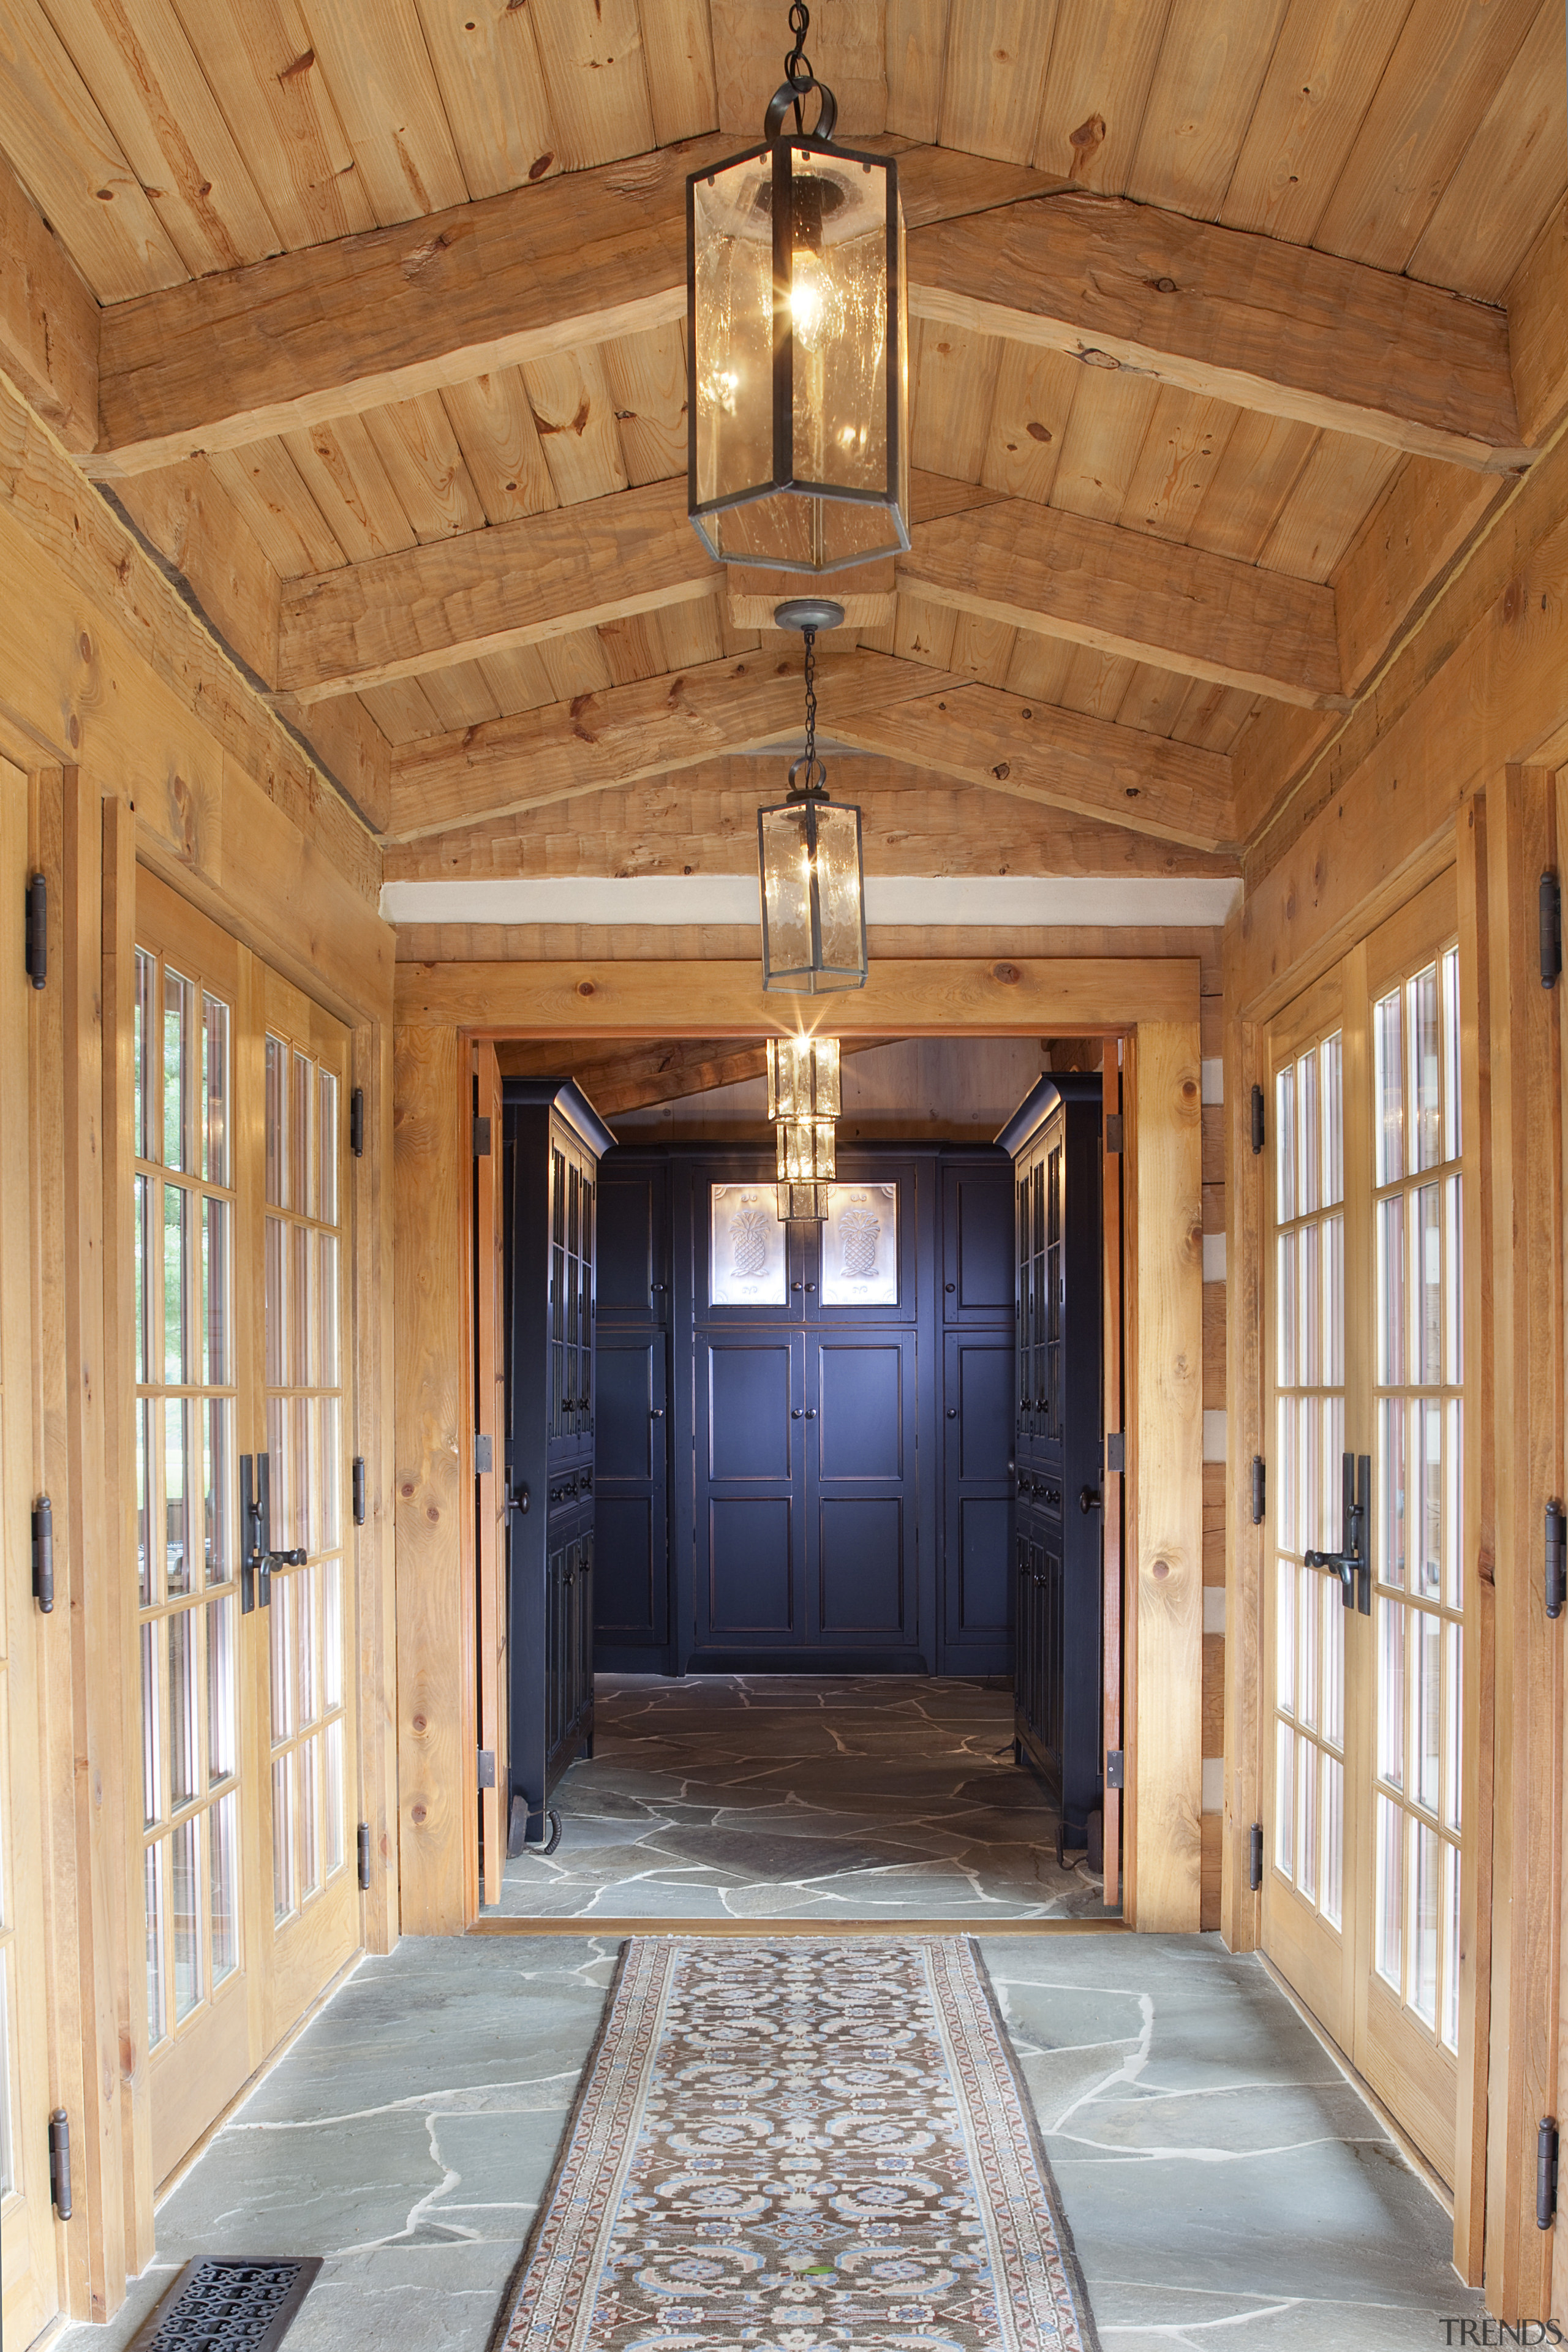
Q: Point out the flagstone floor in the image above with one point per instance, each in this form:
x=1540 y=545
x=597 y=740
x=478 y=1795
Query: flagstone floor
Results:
x=783 y=1796
x=1226 y=2187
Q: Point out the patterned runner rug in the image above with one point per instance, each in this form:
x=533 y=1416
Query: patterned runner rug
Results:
x=798 y=2146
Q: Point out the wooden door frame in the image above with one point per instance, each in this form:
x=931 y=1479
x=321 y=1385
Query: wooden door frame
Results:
x=444 y=1009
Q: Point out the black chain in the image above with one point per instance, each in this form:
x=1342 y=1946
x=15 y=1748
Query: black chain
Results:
x=810 y=698
x=797 y=65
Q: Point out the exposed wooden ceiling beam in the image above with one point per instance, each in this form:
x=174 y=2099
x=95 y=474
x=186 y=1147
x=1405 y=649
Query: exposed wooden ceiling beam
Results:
x=1125 y=593
x=1060 y=759
x=1095 y=583
x=617 y=1076
x=345 y=326
x=514 y=585
x=979 y=735
x=935 y=996
x=1232 y=316
x=339 y=327
x=648 y=728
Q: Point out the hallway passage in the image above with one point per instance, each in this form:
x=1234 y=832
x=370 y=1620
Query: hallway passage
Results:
x=791 y=1797
x=1226 y=2186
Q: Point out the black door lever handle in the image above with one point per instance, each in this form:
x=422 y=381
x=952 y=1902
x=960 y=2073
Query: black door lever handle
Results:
x=1352 y=1562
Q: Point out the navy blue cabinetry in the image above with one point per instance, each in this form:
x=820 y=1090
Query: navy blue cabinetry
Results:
x=1059 y=1427
x=554 y=1141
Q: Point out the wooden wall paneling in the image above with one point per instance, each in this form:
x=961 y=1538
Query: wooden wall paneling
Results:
x=118 y=1157
x=991 y=90
x=99 y=1641
x=67 y=1912
x=375 y=61
x=432 y=1175
x=196 y=532
x=1113 y=1482
x=1527 y=1440
x=1479 y=685
x=1164 y=1604
x=375 y=1400
x=678 y=50
x=1538 y=329
x=490 y=1507
x=1326 y=62
x=493 y=93
x=1244 y=1555
x=1480 y=1536
x=917 y=56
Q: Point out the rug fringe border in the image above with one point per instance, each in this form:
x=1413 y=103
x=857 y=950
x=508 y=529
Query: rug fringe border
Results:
x=1070 y=2261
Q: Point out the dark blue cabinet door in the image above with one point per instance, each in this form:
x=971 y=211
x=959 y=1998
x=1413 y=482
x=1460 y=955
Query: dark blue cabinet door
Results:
x=978 y=1229
x=977 y=1452
x=634 y=1242
x=865 y=1584
x=631 y=1492
x=751 y=1420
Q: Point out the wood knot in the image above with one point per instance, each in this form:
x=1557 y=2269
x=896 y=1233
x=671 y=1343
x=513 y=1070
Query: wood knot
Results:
x=418 y=1816
x=1007 y=973
x=1037 y=432
x=585 y=988
x=1162 y=1570
x=1002 y=772
x=84 y=646
x=420 y=1724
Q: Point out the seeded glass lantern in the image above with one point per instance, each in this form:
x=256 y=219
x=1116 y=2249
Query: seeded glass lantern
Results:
x=809 y=860
x=803 y=1103
x=798 y=343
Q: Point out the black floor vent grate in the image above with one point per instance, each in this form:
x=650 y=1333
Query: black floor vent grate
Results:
x=228 y=2305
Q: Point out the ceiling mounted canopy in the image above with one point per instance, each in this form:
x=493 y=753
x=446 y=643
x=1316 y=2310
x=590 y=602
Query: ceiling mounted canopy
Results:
x=813 y=877
x=797 y=322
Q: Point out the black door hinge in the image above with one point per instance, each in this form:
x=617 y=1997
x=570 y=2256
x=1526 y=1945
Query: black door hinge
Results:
x=1546 y=2173
x=1116 y=1453
x=1551 y=929
x=1256 y=1120
x=1113 y=1131
x=487 y=1767
x=359 y=1489
x=36 y=954
x=482 y=1138
x=363 y=1842
x=356 y=1122
x=1255 y=1867
x=1259 y=1490
x=60 y=2163
x=1114 y=1767
x=1556 y=1558
x=43 y=1554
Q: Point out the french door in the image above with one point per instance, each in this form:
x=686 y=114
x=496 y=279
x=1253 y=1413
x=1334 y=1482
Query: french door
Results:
x=244 y=1594
x=29 y=2273
x=1364 y=1615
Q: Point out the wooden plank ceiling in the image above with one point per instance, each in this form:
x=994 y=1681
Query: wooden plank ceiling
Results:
x=1219 y=308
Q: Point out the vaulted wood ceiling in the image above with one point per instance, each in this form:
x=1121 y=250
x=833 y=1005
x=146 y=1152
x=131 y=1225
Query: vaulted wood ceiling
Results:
x=1227 y=334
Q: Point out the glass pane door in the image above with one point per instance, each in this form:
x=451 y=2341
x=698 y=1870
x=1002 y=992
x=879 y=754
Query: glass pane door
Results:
x=312 y=1780
x=1365 y=1605
x=188 y=1402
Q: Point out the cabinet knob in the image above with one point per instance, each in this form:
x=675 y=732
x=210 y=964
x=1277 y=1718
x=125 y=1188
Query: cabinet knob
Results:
x=796 y=1413
x=811 y=1285
x=656 y=1285
x=795 y=1286
x=953 y=1413
x=655 y=1413
x=811 y=1413
x=950 y=1285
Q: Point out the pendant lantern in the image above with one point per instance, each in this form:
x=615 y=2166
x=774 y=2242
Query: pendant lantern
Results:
x=809 y=858
x=804 y=1103
x=797 y=319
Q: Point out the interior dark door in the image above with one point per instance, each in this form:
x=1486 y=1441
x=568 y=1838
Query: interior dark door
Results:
x=631 y=1496
x=860 y=1454
x=750 y=1550
x=977 y=1244
x=977 y=1482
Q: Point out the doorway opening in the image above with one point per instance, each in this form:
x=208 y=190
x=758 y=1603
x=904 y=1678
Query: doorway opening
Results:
x=799 y=1571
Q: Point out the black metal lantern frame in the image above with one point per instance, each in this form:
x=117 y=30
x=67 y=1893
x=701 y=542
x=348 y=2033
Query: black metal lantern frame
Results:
x=800 y=201
x=810 y=865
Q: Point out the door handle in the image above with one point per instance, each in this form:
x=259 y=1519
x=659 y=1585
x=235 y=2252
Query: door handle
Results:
x=1352 y=1562
x=1087 y=1500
